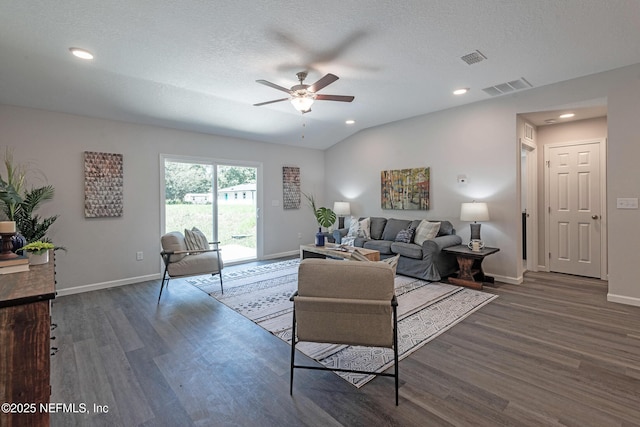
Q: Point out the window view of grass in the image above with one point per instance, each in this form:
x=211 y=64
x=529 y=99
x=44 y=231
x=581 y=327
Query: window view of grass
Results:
x=237 y=223
x=189 y=203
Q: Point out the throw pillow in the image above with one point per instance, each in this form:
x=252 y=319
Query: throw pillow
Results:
x=365 y=228
x=425 y=231
x=195 y=240
x=348 y=241
x=354 y=227
x=406 y=235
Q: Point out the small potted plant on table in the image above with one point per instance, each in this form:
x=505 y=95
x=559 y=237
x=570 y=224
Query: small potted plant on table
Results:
x=38 y=252
x=324 y=216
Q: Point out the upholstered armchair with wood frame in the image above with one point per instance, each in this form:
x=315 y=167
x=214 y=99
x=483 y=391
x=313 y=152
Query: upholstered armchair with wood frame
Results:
x=187 y=256
x=345 y=302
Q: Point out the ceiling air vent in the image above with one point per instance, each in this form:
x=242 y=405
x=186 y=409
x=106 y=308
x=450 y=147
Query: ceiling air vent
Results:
x=473 y=57
x=508 y=87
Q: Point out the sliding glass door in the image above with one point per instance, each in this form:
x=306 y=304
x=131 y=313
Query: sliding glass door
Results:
x=219 y=199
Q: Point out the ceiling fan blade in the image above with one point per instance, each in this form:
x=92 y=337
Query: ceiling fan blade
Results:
x=341 y=98
x=270 y=102
x=273 y=85
x=323 y=82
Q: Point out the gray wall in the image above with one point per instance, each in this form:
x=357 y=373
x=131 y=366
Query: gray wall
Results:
x=101 y=251
x=479 y=141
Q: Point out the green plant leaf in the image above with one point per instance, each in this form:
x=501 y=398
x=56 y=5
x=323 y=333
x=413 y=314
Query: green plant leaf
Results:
x=325 y=216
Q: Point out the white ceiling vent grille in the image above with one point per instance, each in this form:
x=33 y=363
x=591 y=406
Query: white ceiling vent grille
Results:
x=508 y=87
x=473 y=57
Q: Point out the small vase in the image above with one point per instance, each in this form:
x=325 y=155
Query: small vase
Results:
x=37 y=259
x=320 y=237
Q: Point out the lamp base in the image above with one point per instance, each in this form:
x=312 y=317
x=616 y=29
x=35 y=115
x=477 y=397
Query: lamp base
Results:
x=475 y=231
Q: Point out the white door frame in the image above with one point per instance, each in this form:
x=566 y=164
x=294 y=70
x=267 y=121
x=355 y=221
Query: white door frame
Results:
x=531 y=186
x=602 y=143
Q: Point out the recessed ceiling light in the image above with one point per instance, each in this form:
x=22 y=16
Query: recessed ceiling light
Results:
x=567 y=116
x=81 y=53
x=461 y=91
x=350 y=122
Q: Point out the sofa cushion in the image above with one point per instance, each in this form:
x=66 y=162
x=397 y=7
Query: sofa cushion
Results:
x=425 y=231
x=191 y=265
x=377 y=227
x=382 y=246
x=409 y=250
x=393 y=227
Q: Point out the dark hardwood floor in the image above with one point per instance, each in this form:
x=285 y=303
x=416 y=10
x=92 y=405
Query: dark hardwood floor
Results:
x=549 y=352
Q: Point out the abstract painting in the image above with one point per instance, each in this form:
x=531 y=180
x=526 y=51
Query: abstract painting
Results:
x=103 y=181
x=405 y=189
x=291 y=187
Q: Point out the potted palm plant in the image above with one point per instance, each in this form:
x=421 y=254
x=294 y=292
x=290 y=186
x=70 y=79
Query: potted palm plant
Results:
x=325 y=217
x=19 y=204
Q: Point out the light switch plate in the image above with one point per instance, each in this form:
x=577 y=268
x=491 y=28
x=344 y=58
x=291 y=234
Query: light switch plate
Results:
x=627 y=203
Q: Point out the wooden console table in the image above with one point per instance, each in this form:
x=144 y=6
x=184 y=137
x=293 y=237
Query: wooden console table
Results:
x=25 y=327
x=470 y=272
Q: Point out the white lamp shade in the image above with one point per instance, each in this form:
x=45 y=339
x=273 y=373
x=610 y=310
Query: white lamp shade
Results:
x=474 y=212
x=342 y=208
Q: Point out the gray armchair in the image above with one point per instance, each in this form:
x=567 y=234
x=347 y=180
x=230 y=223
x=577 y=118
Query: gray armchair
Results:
x=182 y=262
x=345 y=302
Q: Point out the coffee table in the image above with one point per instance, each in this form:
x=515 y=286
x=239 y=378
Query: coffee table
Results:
x=331 y=250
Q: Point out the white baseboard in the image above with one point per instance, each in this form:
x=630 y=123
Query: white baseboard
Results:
x=621 y=299
x=105 y=285
x=506 y=279
x=281 y=254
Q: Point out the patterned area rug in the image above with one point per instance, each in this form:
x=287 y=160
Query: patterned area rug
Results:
x=425 y=310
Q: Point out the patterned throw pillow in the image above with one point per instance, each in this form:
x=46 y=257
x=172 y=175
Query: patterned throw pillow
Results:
x=195 y=240
x=406 y=235
x=365 y=228
x=354 y=227
x=425 y=231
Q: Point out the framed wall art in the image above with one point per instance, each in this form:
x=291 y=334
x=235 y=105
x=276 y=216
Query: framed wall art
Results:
x=103 y=182
x=291 y=187
x=405 y=189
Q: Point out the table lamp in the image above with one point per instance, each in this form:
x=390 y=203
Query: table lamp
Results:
x=341 y=209
x=474 y=212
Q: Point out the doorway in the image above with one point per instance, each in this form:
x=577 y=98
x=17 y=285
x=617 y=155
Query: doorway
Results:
x=575 y=187
x=220 y=198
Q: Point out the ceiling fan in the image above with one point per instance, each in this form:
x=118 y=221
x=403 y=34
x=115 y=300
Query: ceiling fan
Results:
x=302 y=95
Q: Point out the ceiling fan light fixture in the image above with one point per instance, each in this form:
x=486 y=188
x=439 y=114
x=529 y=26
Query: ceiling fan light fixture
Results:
x=302 y=103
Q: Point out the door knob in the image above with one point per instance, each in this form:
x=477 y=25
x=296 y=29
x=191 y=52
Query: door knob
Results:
x=594 y=216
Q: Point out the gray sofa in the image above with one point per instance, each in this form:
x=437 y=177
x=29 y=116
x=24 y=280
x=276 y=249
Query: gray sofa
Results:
x=426 y=261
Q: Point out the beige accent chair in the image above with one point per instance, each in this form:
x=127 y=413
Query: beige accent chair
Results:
x=181 y=262
x=345 y=302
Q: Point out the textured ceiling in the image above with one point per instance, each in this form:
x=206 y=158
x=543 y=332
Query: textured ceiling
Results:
x=192 y=64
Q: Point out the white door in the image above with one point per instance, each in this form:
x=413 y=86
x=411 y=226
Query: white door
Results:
x=574 y=211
